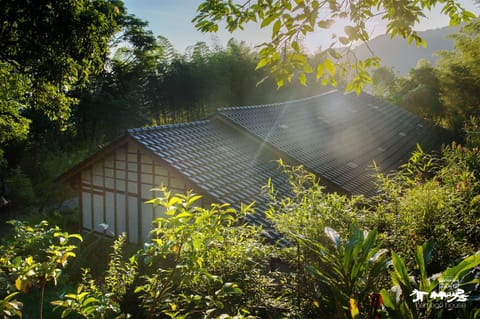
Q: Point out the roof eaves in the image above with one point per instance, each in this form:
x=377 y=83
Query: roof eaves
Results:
x=75 y=170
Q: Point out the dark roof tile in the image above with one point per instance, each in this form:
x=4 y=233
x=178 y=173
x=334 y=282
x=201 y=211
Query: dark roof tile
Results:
x=223 y=163
x=335 y=135
x=329 y=132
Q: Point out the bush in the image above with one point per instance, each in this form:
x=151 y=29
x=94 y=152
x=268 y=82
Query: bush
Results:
x=430 y=199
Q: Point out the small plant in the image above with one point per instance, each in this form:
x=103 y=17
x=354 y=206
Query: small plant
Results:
x=34 y=257
x=9 y=307
x=94 y=301
x=415 y=294
x=346 y=272
x=178 y=258
x=432 y=198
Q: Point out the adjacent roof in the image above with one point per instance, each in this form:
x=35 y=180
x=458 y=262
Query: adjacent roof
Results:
x=339 y=136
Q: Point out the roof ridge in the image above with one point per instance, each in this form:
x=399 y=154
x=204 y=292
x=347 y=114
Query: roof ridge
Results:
x=228 y=108
x=167 y=126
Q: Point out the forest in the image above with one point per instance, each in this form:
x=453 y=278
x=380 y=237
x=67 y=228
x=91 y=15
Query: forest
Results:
x=74 y=75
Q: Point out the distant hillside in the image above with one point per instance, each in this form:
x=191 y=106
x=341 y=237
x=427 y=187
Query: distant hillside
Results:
x=398 y=54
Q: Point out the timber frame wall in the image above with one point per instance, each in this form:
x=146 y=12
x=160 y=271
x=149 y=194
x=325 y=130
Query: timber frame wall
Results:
x=113 y=191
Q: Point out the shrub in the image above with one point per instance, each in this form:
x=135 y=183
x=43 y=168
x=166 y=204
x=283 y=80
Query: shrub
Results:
x=430 y=199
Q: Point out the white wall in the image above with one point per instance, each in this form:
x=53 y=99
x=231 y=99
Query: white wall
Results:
x=114 y=191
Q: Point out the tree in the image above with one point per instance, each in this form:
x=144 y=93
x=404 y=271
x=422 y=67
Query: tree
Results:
x=57 y=44
x=383 y=81
x=446 y=93
x=291 y=20
x=459 y=71
x=419 y=92
x=49 y=53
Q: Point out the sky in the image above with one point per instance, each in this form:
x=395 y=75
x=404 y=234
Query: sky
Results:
x=173 y=20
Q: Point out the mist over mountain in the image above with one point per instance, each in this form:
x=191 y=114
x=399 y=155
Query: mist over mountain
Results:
x=398 y=54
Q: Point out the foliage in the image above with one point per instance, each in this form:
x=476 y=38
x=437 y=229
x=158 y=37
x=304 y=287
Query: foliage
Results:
x=34 y=257
x=185 y=270
x=446 y=93
x=291 y=20
x=12 y=98
x=183 y=259
x=204 y=263
x=420 y=92
x=311 y=208
x=54 y=61
x=91 y=300
x=383 y=81
x=431 y=198
x=49 y=50
x=404 y=301
x=9 y=307
x=458 y=72
x=327 y=276
x=346 y=273
x=20 y=200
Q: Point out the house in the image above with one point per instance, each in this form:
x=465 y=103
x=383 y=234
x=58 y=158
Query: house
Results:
x=228 y=157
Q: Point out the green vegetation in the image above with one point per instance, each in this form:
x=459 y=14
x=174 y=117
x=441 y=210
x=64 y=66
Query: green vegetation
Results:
x=64 y=94
x=446 y=93
x=205 y=263
x=291 y=21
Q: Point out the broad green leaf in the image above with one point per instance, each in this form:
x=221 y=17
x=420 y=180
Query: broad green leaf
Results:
x=267 y=21
x=400 y=270
x=263 y=62
x=89 y=301
x=458 y=271
x=387 y=299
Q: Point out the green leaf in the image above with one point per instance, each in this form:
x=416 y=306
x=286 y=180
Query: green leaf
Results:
x=330 y=66
x=302 y=78
x=400 y=270
x=263 y=62
x=344 y=40
x=267 y=21
x=387 y=299
x=89 y=301
x=276 y=27
x=295 y=46
x=325 y=24
x=458 y=271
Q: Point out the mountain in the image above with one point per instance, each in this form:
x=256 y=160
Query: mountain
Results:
x=398 y=54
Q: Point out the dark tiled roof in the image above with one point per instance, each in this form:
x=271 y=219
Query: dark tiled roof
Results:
x=338 y=136
x=334 y=135
x=219 y=160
